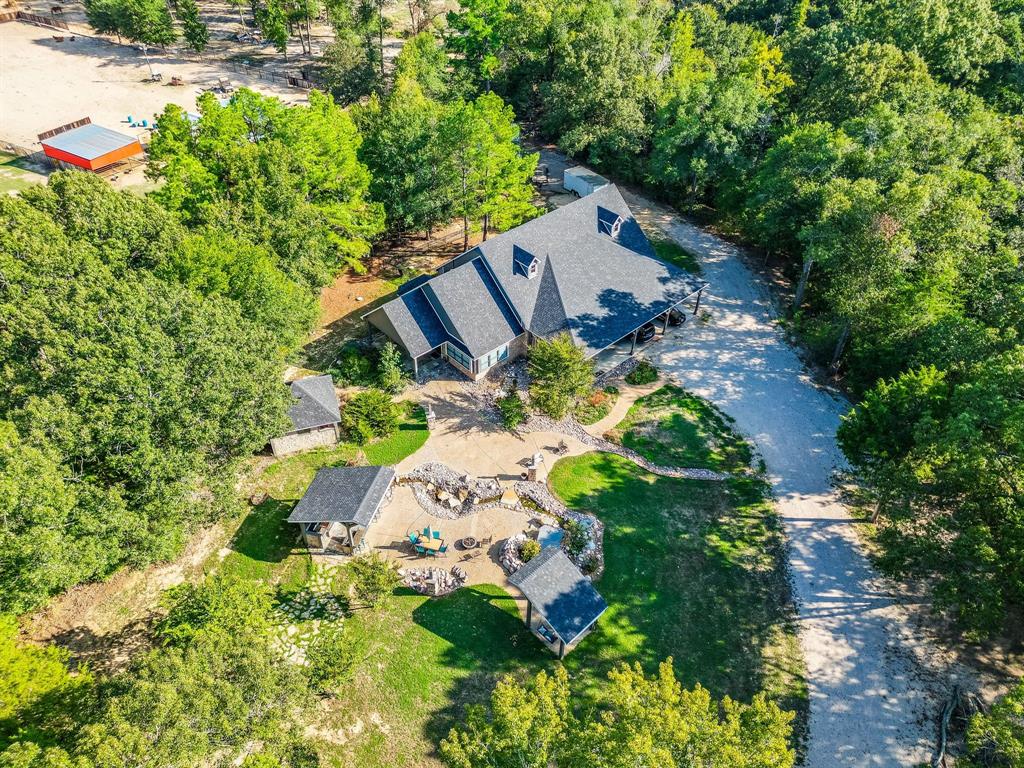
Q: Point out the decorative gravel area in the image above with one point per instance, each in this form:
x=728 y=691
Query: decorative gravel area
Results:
x=472 y=495
x=620 y=371
x=569 y=426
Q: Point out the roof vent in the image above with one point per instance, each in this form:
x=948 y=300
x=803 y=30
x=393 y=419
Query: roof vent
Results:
x=608 y=222
x=524 y=262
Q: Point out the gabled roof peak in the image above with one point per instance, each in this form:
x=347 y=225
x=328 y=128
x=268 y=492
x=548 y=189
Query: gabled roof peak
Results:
x=608 y=222
x=524 y=262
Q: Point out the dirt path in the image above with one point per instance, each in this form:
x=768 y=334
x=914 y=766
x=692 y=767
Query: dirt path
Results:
x=872 y=702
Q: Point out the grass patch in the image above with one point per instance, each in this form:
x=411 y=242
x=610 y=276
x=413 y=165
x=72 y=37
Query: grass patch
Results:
x=672 y=427
x=16 y=174
x=673 y=253
x=411 y=435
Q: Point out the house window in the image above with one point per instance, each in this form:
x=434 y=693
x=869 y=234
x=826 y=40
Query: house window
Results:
x=493 y=358
x=460 y=357
x=532 y=272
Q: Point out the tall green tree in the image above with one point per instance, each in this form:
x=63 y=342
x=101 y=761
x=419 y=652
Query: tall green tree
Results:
x=193 y=29
x=559 y=375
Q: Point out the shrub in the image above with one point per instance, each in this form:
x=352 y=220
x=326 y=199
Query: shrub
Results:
x=390 y=373
x=331 y=658
x=577 y=537
x=374 y=579
x=512 y=408
x=595 y=407
x=996 y=737
x=529 y=550
x=560 y=374
x=370 y=414
x=611 y=390
x=644 y=373
x=355 y=367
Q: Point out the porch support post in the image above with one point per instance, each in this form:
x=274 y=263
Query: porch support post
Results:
x=632 y=348
x=664 y=328
x=416 y=369
x=561 y=648
x=696 y=307
x=529 y=614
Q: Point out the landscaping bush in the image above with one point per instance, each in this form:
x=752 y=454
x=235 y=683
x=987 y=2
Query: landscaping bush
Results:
x=331 y=658
x=576 y=538
x=529 y=550
x=512 y=408
x=644 y=373
x=560 y=375
x=374 y=579
x=390 y=374
x=355 y=367
x=597 y=405
x=370 y=414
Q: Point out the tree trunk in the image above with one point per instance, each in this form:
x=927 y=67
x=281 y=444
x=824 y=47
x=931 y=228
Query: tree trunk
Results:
x=801 y=287
x=844 y=337
x=241 y=18
x=487 y=225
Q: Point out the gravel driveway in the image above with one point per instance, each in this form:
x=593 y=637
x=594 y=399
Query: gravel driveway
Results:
x=872 y=703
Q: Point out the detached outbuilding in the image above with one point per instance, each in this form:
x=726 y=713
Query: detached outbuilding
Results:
x=90 y=147
x=562 y=605
x=340 y=505
x=315 y=417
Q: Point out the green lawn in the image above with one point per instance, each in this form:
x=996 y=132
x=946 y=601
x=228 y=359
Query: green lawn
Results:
x=693 y=571
x=15 y=175
x=673 y=253
x=671 y=427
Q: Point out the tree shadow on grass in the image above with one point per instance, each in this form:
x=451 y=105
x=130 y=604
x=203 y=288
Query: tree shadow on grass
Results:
x=263 y=540
x=487 y=640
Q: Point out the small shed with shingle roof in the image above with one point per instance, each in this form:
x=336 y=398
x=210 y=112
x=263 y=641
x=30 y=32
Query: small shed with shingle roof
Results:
x=315 y=416
x=562 y=605
x=340 y=505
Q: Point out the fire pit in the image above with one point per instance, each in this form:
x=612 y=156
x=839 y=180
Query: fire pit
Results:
x=469 y=542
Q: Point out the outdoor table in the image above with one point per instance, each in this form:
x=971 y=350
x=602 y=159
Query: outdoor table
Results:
x=432 y=544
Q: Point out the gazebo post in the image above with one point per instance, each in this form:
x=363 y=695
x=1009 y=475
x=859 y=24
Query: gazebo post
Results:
x=632 y=348
x=529 y=614
x=561 y=648
x=696 y=307
x=416 y=369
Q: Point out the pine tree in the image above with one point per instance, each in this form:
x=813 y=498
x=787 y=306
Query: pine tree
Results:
x=193 y=28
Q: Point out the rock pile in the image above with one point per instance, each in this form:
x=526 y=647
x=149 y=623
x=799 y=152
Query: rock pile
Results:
x=509 y=556
x=433 y=581
x=448 y=494
x=620 y=371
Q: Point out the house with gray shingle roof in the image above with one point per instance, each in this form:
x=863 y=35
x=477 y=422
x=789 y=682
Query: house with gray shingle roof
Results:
x=315 y=416
x=340 y=505
x=586 y=269
x=562 y=605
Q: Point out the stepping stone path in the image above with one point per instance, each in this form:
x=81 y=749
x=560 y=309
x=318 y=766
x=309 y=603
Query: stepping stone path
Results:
x=301 y=616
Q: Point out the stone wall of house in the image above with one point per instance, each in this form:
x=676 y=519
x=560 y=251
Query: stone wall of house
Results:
x=304 y=441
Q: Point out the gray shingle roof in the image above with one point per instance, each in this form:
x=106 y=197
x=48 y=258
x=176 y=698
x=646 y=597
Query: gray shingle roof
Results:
x=414 y=320
x=472 y=309
x=343 y=495
x=606 y=286
x=560 y=592
x=596 y=286
x=89 y=141
x=316 y=405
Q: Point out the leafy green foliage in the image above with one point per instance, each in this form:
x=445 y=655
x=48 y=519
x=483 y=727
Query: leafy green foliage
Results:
x=996 y=738
x=142 y=21
x=653 y=720
x=125 y=394
x=370 y=414
x=512 y=409
x=559 y=375
x=577 y=537
x=391 y=375
x=287 y=178
x=644 y=373
x=193 y=28
x=332 y=658
x=529 y=550
x=374 y=579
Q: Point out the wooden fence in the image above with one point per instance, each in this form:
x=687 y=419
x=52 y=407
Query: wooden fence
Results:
x=34 y=18
x=272 y=77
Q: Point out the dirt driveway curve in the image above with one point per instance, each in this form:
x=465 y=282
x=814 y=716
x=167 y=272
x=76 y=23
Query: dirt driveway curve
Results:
x=871 y=701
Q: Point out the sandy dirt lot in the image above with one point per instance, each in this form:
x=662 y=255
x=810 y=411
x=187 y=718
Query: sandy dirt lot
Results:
x=45 y=83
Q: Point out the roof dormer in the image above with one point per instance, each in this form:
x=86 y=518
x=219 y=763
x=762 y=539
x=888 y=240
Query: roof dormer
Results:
x=608 y=222
x=524 y=262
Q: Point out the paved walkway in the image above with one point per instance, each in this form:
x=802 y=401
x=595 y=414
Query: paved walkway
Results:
x=871 y=701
